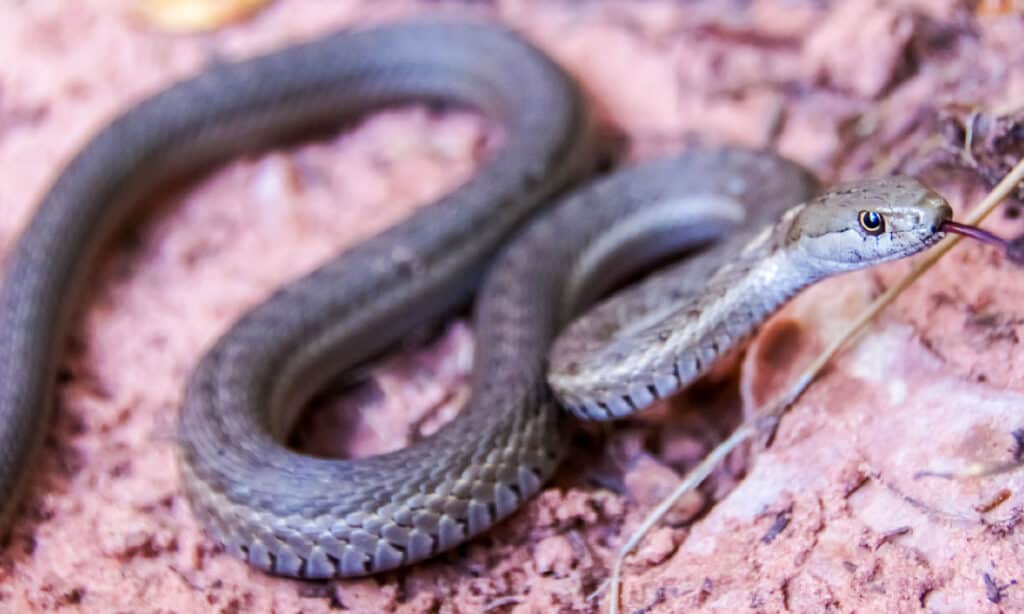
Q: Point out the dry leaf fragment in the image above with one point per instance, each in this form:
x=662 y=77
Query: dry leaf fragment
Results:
x=998 y=8
x=184 y=16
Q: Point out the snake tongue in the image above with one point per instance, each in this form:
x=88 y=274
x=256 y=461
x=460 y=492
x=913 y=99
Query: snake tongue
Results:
x=1012 y=248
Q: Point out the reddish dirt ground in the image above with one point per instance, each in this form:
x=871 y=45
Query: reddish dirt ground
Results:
x=829 y=518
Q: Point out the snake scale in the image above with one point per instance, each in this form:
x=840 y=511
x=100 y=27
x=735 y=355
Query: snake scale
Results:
x=297 y=515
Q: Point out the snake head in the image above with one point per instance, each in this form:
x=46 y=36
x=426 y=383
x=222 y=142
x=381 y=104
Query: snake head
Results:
x=866 y=223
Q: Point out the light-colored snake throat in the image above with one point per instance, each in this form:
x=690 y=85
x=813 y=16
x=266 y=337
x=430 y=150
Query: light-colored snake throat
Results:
x=292 y=514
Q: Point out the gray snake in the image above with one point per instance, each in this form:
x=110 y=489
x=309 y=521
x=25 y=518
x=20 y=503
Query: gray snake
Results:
x=302 y=516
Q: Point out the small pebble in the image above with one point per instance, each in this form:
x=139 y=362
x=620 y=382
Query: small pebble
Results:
x=554 y=555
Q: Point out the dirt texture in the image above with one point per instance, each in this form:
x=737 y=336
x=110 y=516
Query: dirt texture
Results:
x=830 y=517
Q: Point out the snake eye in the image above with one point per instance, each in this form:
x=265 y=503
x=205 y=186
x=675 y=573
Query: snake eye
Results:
x=872 y=222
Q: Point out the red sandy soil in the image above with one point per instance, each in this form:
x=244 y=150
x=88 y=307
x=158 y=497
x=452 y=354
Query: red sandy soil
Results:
x=829 y=518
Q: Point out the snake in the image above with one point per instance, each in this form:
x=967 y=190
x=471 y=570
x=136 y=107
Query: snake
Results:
x=567 y=313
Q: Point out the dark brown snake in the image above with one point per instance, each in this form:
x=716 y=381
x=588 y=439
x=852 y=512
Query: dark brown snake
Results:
x=297 y=515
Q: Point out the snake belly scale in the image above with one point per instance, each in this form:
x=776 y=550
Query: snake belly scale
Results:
x=296 y=515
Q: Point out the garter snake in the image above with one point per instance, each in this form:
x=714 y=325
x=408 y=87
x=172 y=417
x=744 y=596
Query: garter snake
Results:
x=297 y=515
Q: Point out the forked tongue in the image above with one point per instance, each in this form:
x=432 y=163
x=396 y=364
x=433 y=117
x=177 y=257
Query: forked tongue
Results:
x=1012 y=248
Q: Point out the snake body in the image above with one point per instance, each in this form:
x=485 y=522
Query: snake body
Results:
x=296 y=515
